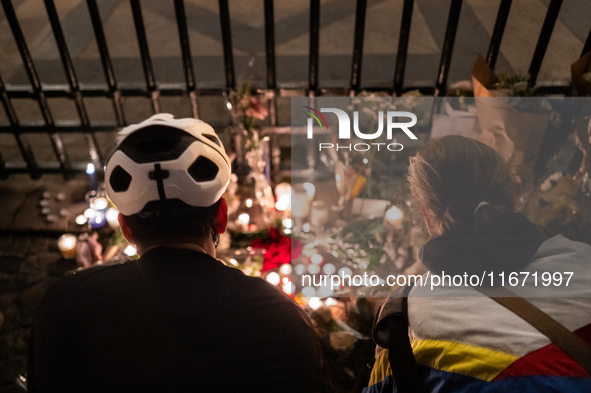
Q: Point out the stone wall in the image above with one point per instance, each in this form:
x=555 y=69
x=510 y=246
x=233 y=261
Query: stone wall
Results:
x=29 y=264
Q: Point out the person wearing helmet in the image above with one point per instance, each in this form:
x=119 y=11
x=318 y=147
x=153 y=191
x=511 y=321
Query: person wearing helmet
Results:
x=176 y=319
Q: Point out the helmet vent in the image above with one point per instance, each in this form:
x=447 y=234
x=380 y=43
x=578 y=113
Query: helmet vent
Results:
x=156 y=143
x=120 y=179
x=213 y=138
x=203 y=169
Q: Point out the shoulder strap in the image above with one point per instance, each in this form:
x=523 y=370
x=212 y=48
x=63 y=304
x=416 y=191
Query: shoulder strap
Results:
x=566 y=340
x=391 y=331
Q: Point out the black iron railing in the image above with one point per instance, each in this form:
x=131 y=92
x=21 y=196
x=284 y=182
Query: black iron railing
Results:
x=73 y=91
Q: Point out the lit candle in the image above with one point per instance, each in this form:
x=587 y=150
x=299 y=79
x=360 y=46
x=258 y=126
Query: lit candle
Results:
x=288 y=288
x=67 y=245
x=345 y=272
x=394 y=216
x=89 y=213
x=319 y=214
x=310 y=190
x=130 y=250
x=314 y=303
x=283 y=203
x=300 y=202
x=244 y=219
x=283 y=196
x=273 y=278
x=285 y=269
x=309 y=292
x=300 y=269
x=112 y=218
x=287 y=223
x=81 y=219
x=101 y=203
x=282 y=189
x=329 y=269
x=316 y=259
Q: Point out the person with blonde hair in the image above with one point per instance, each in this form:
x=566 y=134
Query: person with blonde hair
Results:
x=477 y=337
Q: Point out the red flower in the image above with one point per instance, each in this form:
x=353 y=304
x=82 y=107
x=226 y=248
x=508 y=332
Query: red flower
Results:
x=258 y=243
x=279 y=249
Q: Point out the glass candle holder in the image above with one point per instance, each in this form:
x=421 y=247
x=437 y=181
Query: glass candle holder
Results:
x=67 y=245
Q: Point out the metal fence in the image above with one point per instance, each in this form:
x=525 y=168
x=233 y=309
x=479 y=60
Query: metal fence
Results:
x=153 y=91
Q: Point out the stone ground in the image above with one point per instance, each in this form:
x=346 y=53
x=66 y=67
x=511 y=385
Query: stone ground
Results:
x=29 y=259
x=28 y=266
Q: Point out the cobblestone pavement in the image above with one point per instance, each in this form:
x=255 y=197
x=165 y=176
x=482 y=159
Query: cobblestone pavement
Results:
x=29 y=259
x=28 y=266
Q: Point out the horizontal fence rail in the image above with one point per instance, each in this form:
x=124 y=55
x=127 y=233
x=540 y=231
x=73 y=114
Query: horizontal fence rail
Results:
x=152 y=90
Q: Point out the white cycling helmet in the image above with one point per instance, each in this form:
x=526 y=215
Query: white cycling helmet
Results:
x=163 y=158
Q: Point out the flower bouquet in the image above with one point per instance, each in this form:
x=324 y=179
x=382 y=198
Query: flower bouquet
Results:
x=248 y=112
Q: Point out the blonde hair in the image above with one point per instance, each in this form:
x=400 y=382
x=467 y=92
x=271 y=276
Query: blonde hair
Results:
x=449 y=178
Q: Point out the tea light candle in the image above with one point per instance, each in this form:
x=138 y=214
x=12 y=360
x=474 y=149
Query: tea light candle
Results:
x=67 y=245
x=81 y=219
x=89 y=213
x=130 y=250
x=244 y=218
x=101 y=203
x=285 y=269
x=394 y=216
x=288 y=288
x=273 y=278
x=319 y=214
x=287 y=223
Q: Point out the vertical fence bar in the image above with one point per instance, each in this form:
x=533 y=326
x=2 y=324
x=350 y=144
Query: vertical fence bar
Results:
x=360 y=12
x=56 y=140
x=142 y=39
x=270 y=44
x=448 y=46
x=314 y=45
x=497 y=35
x=587 y=46
x=3 y=172
x=543 y=40
x=271 y=82
x=101 y=42
x=227 y=43
x=402 y=52
x=21 y=139
x=73 y=81
x=181 y=20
